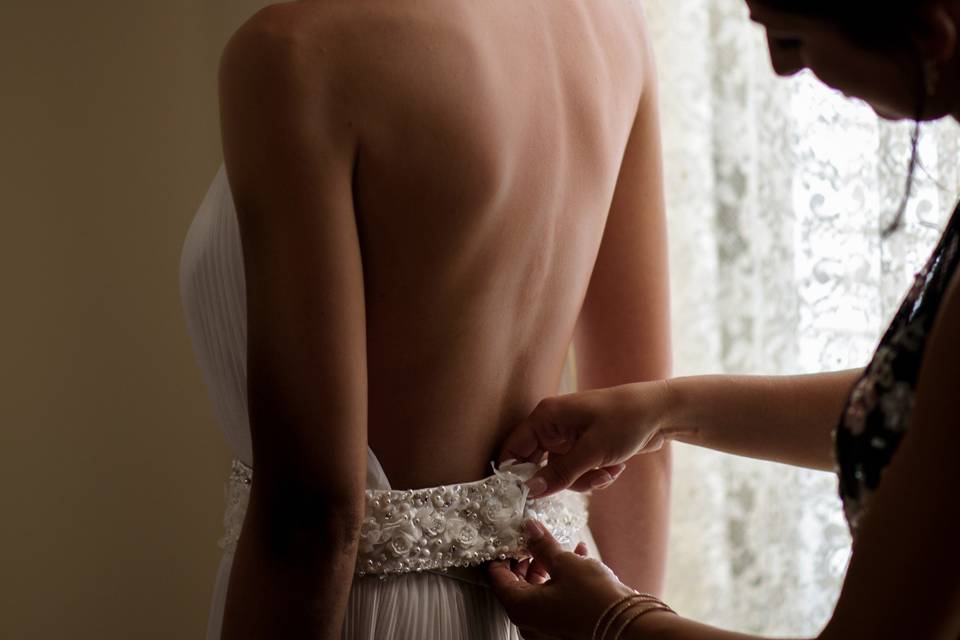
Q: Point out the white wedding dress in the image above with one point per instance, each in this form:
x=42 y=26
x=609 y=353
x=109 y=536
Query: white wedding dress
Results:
x=416 y=571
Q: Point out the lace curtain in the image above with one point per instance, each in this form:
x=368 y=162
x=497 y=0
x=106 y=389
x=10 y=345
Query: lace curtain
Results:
x=777 y=192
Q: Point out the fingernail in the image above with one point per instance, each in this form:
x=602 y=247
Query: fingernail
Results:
x=600 y=481
x=532 y=529
x=537 y=486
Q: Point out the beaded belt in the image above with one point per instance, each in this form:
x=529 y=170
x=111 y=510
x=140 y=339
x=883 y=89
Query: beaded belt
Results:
x=434 y=529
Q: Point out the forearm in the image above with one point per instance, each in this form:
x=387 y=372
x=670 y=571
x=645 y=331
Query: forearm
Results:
x=786 y=419
x=289 y=582
x=630 y=521
x=665 y=626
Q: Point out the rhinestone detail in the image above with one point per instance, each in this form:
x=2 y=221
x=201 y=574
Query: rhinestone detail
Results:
x=459 y=525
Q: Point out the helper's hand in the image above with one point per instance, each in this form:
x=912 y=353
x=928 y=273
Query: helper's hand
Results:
x=588 y=436
x=566 y=596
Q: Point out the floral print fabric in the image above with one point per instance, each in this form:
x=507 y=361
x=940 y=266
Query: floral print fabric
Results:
x=878 y=411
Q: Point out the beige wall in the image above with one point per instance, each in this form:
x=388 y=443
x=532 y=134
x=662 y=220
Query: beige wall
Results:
x=111 y=467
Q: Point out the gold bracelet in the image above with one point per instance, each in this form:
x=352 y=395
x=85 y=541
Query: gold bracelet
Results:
x=628 y=600
x=616 y=609
x=649 y=596
x=596 y=627
x=617 y=624
x=649 y=607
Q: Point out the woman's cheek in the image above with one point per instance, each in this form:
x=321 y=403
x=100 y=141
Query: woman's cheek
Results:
x=855 y=75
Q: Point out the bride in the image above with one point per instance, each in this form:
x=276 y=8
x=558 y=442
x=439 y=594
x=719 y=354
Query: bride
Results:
x=422 y=204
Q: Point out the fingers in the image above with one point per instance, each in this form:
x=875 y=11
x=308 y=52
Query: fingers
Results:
x=542 y=546
x=522 y=443
x=537 y=573
x=522 y=568
x=537 y=434
x=598 y=478
x=582 y=550
x=508 y=586
x=562 y=471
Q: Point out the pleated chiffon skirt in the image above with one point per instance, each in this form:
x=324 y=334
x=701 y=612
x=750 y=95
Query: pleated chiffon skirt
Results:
x=415 y=606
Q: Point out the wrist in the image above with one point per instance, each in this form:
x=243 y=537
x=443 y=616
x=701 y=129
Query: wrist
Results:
x=656 y=625
x=625 y=613
x=671 y=419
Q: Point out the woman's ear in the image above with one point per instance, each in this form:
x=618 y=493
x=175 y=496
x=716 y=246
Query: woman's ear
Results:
x=935 y=32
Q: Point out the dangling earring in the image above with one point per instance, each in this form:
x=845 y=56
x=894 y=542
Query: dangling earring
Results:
x=931 y=77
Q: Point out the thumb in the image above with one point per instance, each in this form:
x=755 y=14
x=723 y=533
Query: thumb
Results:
x=542 y=545
x=506 y=584
x=561 y=471
x=545 y=429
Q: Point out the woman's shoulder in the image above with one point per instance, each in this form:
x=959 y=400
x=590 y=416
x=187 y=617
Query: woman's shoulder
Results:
x=288 y=35
x=936 y=391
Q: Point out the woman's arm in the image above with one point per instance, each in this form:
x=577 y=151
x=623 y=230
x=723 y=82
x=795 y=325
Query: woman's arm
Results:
x=904 y=577
x=785 y=419
x=623 y=335
x=290 y=155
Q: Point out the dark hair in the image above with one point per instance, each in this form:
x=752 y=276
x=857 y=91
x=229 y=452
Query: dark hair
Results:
x=897 y=221
x=876 y=24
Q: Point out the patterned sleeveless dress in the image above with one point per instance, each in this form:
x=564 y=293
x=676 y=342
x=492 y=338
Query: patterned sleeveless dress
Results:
x=877 y=414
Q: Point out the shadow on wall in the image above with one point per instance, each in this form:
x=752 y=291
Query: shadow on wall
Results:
x=113 y=467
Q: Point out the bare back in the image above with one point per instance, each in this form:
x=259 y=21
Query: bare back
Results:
x=490 y=136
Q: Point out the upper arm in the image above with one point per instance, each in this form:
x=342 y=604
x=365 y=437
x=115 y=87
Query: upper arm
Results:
x=623 y=333
x=289 y=151
x=904 y=576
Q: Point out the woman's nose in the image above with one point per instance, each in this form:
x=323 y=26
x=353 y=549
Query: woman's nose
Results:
x=786 y=57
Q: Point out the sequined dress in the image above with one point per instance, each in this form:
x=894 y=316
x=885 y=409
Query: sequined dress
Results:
x=417 y=574
x=878 y=411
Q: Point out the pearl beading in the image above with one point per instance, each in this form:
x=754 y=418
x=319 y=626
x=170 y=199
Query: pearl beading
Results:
x=434 y=529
